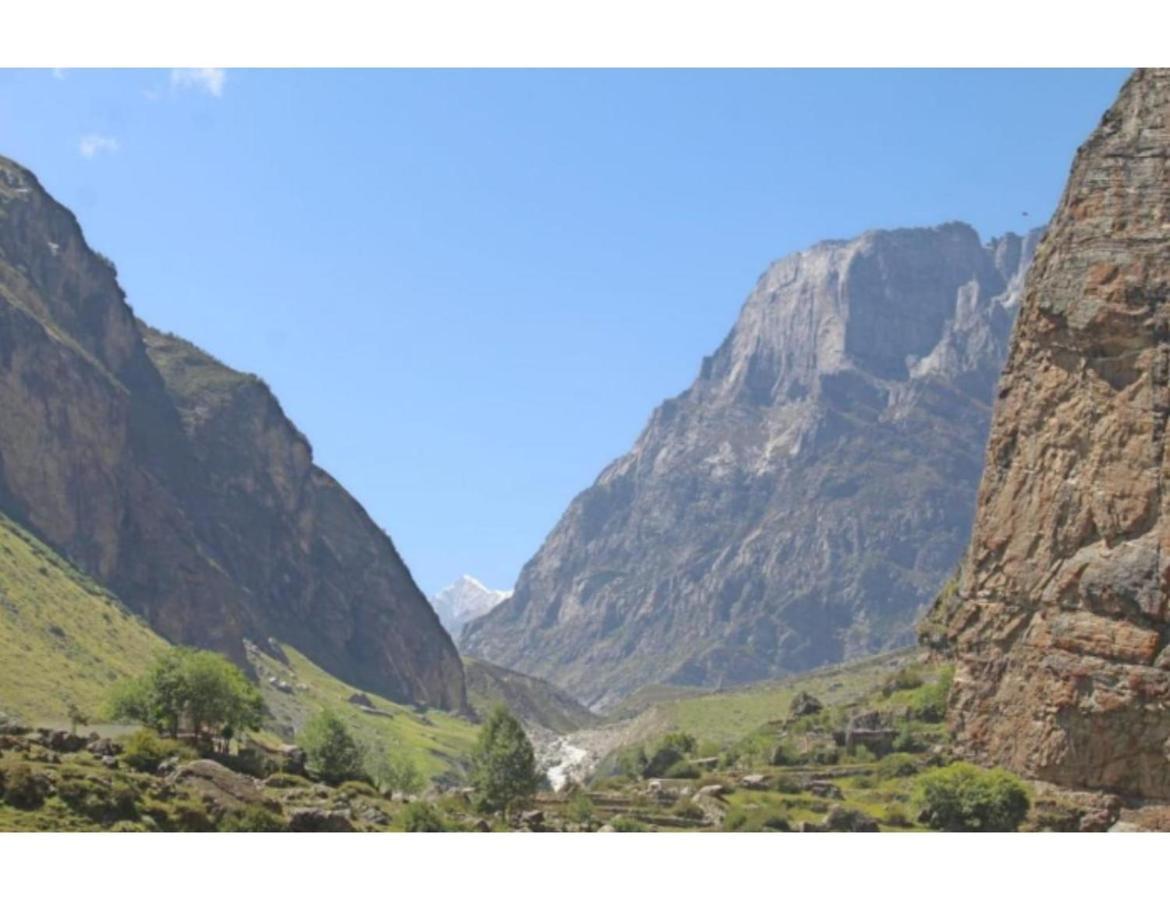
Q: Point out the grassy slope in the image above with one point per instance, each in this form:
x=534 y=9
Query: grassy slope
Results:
x=62 y=637
x=437 y=742
x=724 y=717
x=530 y=699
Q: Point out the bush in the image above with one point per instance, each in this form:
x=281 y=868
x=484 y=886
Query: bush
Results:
x=897 y=765
x=286 y=780
x=578 y=807
x=929 y=702
x=736 y=820
x=783 y=784
x=503 y=763
x=963 y=797
x=626 y=824
x=897 y=815
x=687 y=809
x=397 y=775
x=862 y=754
x=146 y=750
x=683 y=769
x=786 y=754
x=905 y=679
x=333 y=754
x=422 y=817
x=252 y=818
x=97 y=801
x=24 y=788
x=777 y=823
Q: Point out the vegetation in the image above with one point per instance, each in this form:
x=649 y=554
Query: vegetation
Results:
x=333 y=754
x=192 y=689
x=396 y=775
x=64 y=641
x=963 y=797
x=420 y=816
x=503 y=764
x=146 y=750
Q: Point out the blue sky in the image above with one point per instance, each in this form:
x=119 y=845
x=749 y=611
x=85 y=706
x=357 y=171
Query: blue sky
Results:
x=470 y=288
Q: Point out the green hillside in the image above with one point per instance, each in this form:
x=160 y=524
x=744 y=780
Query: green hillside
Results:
x=437 y=742
x=63 y=639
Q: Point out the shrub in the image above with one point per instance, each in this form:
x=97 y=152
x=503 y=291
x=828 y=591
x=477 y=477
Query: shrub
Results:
x=687 y=809
x=252 y=818
x=786 y=785
x=146 y=750
x=897 y=815
x=929 y=702
x=683 y=769
x=286 y=780
x=187 y=815
x=786 y=754
x=777 y=823
x=897 y=765
x=862 y=754
x=397 y=775
x=96 y=800
x=679 y=741
x=422 y=817
x=333 y=754
x=905 y=679
x=24 y=788
x=503 y=763
x=578 y=807
x=906 y=741
x=736 y=820
x=964 y=797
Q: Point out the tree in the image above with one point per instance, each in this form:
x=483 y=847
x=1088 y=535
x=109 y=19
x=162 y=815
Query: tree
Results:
x=333 y=754
x=964 y=797
x=503 y=764
x=193 y=688
x=397 y=775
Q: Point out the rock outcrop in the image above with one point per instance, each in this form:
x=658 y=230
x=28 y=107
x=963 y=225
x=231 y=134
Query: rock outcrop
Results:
x=1060 y=620
x=804 y=500
x=179 y=484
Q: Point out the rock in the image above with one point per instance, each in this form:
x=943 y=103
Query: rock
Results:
x=840 y=818
x=315 y=819
x=218 y=784
x=1061 y=607
x=712 y=790
x=110 y=762
x=481 y=825
x=804 y=704
x=755 y=782
x=532 y=819
x=714 y=810
x=810 y=827
x=360 y=699
x=104 y=747
x=802 y=499
x=606 y=829
x=825 y=789
x=63 y=741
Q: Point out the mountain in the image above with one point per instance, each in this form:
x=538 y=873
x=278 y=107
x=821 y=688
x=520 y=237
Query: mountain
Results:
x=179 y=484
x=803 y=500
x=532 y=700
x=1060 y=621
x=464 y=600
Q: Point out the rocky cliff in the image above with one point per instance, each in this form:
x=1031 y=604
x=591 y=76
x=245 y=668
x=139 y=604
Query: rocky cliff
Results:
x=1060 y=620
x=179 y=483
x=803 y=500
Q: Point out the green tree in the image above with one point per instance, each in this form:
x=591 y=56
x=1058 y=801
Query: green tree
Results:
x=421 y=817
x=503 y=764
x=333 y=754
x=963 y=797
x=193 y=688
x=396 y=774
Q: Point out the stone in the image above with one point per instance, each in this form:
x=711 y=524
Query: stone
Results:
x=1060 y=613
x=841 y=818
x=218 y=784
x=825 y=789
x=755 y=782
x=317 y=819
x=804 y=704
x=712 y=790
x=104 y=747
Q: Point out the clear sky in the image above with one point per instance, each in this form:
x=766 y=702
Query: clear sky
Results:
x=469 y=289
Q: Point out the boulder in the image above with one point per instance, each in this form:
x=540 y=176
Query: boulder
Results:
x=804 y=704
x=360 y=699
x=755 y=782
x=315 y=818
x=218 y=785
x=712 y=790
x=841 y=818
x=104 y=747
x=825 y=789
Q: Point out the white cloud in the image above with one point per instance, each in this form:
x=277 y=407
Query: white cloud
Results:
x=210 y=80
x=93 y=144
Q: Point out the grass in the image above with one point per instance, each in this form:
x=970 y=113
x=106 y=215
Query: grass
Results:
x=436 y=742
x=63 y=639
x=726 y=717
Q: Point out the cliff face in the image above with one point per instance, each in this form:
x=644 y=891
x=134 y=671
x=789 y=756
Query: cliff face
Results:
x=179 y=483
x=1060 y=623
x=803 y=500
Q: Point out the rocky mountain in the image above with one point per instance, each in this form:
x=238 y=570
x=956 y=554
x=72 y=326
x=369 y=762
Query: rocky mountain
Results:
x=465 y=599
x=179 y=484
x=532 y=700
x=1060 y=621
x=804 y=499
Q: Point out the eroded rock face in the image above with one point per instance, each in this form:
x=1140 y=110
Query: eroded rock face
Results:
x=803 y=500
x=1060 y=620
x=179 y=483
